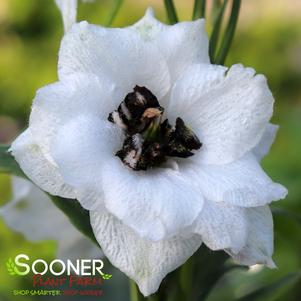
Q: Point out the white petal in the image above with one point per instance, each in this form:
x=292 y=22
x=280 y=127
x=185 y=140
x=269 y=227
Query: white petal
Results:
x=81 y=148
x=33 y=214
x=68 y=9
x=182 y=44
x=146 y=262
x=38 y=168
x=228 y=109
x=156 y=203
x=259 y=246
x=60 y=102
x=57 y=104
x=119 y=53
x=240 y=183
x=29 y=213
x=20 y=188
x=222 y=226
x=266 y=141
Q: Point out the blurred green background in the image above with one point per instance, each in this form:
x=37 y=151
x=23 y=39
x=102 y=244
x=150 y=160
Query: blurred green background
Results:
x=268 y=38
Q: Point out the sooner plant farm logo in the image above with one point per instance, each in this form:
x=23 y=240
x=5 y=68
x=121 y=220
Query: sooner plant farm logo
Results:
x=82 y=267
x=81 y=277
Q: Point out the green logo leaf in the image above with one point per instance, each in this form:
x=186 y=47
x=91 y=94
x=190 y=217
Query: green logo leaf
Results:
x=11 y=267
x=106 y=276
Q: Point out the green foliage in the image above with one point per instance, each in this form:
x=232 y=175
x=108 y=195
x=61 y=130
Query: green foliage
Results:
x=216 y=31
x=287 y=214
x=171 y=11
x=272 y=288
x=8 y=163
x=229 y=34
x=199 y=9
x=77 y=215
x=218 y=56
x=114 y=11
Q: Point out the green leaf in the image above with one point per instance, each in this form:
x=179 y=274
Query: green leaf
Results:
x=270 y=289
x=171 y=11
x=286 y=213
x=114 y=11
x=229 y=33
x=216 y=30
x=8 y=163
x=199 y=9
x=106 y=276
x=77 y=215
x=205 y=280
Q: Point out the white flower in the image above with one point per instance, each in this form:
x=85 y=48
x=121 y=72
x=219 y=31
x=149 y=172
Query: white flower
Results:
x=32 y=213
x=149 y=222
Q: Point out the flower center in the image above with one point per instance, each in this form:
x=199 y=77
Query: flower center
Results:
x=149 y=141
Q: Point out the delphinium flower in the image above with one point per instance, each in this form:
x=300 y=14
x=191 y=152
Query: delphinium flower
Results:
x=160 y=145
x=32 y=213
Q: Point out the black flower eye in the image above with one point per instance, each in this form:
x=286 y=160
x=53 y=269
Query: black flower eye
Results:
x=149 y=141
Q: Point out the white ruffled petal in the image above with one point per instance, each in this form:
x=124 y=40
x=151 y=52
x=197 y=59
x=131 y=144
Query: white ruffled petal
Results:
x=68 y=9
x=20 y=188
x=240 y=183
x=81 y=148
x=182 y=44
x=266 y=141
x=146 y=262
x=119 y=53
x=227 y=108
x=32 y=213
x=156 y=203
x=259 y=247
x=58 y=103
x=222 y=226
x=38 y=168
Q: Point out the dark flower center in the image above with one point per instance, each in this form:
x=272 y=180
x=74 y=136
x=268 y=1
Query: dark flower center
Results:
x=149 y=141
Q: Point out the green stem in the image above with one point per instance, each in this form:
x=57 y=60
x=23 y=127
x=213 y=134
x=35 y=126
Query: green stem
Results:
x=229 y=33
x=186 y=277
x=114 y=11
x=135 y=293
x=216 y=31
x=171 y=11
x=152 y=298
x=199 y=9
